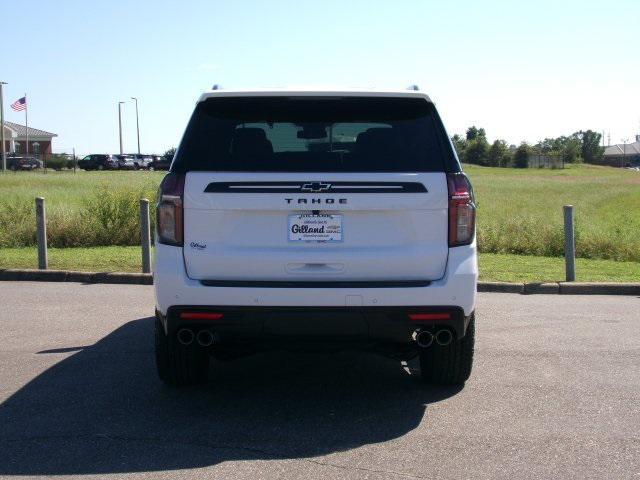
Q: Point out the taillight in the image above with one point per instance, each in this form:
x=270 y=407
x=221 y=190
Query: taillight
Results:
x=201 y=316
x=169 y=223
x=429 y=316
x=462 y=210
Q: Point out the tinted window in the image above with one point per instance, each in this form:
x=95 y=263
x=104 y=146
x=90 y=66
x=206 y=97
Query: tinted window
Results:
x=305 y=134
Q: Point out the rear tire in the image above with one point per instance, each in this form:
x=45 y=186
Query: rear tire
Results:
x=178 y=364
x=450 y=364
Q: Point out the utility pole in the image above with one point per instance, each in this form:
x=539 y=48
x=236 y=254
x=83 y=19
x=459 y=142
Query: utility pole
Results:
x=137 y=123
x=4 y=153
x=120 y=124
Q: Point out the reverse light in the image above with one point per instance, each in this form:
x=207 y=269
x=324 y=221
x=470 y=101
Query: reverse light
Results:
x=462 y=210
x=169 y=211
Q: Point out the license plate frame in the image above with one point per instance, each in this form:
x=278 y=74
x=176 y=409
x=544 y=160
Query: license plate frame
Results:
x=320 y=228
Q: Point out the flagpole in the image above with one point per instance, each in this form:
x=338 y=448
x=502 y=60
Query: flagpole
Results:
x=26 y=125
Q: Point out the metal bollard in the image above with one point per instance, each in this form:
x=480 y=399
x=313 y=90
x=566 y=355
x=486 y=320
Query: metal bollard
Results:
x=569 y=244
x=145 y=235
x=41 y=222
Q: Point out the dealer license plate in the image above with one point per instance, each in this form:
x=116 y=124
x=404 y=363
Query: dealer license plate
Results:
x=315 y=228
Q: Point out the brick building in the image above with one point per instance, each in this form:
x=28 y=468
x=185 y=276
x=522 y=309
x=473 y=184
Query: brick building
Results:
x=15 y=137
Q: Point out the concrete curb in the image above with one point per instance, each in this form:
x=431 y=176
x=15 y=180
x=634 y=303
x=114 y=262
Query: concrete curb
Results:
x=71 y=276
x=501 y=287
x=562 y=288
x=546 y=288
x=604 y=288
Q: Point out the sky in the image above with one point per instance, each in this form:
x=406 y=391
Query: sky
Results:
x=521 y=70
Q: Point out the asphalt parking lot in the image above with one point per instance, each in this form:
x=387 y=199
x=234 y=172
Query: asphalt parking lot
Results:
x=555 y=393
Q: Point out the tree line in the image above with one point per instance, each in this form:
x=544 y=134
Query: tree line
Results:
x=582 y=146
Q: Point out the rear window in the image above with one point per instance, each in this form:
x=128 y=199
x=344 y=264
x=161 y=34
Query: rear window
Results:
x=315 y=134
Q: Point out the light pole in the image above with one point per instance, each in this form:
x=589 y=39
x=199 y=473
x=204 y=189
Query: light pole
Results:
x=624 y=152
x=4 y=154
x=137 y=123
x=120 y=124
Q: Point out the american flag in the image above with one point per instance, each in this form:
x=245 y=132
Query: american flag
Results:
x=19 y=104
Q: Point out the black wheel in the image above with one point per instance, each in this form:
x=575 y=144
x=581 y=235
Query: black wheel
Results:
x=178 y=364
x=449 y=364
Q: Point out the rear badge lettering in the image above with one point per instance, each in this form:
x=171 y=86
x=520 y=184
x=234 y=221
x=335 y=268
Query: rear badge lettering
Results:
x=327 y=201
x=197 y=246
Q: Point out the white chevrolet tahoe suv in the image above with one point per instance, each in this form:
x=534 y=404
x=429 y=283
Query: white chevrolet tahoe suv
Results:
x=315 y=220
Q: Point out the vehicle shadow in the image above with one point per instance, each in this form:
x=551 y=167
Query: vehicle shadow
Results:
x=103 y=409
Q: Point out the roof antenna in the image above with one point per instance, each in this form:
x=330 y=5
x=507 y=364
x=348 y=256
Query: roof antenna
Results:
x=216 y=87
x=415 y=88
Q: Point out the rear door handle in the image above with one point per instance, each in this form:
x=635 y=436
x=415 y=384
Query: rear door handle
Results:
x=315 y=267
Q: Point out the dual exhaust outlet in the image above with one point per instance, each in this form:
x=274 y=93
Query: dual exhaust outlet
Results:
x=424 y=338
x=204 y=338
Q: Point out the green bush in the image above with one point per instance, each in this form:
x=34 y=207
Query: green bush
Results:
x=113 y=217
x=58 y=162
x=106 y=217
x=521 y=156
x=17 y=223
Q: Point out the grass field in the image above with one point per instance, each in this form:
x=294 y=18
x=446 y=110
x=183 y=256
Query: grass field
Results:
x=495 y=267
x=519 y=211
x=83 y=209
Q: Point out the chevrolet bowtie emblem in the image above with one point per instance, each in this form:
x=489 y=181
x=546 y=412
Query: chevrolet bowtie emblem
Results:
x=315 y=187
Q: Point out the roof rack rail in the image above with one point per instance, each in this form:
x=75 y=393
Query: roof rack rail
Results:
x=414 y=87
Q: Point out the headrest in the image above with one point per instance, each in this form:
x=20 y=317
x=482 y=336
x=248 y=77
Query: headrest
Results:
x=249 y=135
x=250 y=142
x=376 y=138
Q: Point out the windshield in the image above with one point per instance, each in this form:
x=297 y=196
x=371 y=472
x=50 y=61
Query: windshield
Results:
x=350 y=134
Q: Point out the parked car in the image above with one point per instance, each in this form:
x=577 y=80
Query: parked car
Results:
x=161 y=162
x=142 y=161
x=23 y=163
x=125 y=162
x=365 y=241
x=100 y=161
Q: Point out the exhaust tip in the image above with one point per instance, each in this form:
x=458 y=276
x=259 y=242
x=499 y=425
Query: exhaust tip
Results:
x=422 y=338
x=205 y=338
x=444 y=337
x=185 y=336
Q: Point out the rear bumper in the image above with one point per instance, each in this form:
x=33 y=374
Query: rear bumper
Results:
x=269 y=325
x=174 y=288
